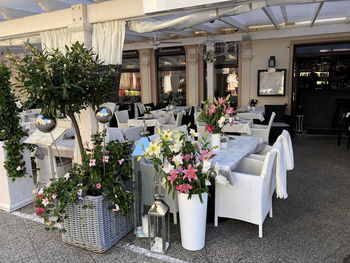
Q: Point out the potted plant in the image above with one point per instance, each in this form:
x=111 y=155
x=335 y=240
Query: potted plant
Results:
x=65 y=82
x=186 y=170
x=92 y=204
x=216 y=115
x=16 y=182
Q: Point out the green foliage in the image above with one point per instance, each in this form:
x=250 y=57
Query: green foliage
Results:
x=10 y=129
x=89 y=179
x=68 y=82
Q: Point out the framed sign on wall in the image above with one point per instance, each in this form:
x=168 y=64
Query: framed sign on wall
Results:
x=272 y=82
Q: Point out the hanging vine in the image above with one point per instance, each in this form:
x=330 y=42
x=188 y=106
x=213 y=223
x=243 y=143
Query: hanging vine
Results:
x=10 y=129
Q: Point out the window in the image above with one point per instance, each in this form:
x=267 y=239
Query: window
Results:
x=171 y=76
x=226 y=70
x=130 y=84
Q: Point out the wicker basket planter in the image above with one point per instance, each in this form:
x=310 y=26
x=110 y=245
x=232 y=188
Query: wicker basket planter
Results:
x=97 y=228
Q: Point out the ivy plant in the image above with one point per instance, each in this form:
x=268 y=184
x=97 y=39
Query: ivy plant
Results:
x=67 y=82
x=10 y=129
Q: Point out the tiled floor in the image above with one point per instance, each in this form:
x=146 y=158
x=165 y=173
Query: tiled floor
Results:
x=311 y=225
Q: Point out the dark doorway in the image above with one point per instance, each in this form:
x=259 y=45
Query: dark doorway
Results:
x=322 y=85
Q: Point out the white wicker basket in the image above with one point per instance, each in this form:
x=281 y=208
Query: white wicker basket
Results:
x=97 y=228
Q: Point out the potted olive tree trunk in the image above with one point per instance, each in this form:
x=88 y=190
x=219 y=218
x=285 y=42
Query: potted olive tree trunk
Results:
x=16 y=182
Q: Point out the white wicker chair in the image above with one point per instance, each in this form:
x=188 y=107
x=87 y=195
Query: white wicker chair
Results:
x=147 y=174
x=115 y=134
x=249 y=198
x=263 y=131
x=171 y=125
x=122 y=118
x=133 y=133
x=286 y=142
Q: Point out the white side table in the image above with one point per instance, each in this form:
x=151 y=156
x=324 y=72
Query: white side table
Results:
x=300 y=121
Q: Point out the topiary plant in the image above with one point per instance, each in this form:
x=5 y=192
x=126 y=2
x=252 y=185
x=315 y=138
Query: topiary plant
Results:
x=67 y=82
x=10 y=129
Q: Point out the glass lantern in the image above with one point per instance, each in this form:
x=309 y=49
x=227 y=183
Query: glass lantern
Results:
x=159 y=221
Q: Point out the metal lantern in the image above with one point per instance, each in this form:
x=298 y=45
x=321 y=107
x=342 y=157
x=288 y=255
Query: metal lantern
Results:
x=103 y=114
x=159 y=226
x=159 y=220
x=45 y=124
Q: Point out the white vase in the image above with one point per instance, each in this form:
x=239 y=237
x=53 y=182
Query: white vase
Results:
x=193 y=219
x=18 y=193
x=215 y=141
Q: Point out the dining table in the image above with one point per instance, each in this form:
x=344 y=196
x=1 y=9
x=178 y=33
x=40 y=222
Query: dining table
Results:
x=255 y=114
x=150 y=122
x=241 y=125
x=172 y=112
x=238 y=148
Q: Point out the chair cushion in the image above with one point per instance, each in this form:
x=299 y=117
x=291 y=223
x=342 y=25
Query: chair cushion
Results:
x=278 y=109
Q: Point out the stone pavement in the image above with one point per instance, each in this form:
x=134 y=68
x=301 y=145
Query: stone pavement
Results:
x=311 y=225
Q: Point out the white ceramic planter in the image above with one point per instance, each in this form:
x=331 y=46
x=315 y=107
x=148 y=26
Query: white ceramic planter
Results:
x=193 y=219
x=18 y=193
x=215 y=141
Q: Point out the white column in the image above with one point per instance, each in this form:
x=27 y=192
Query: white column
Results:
x=192 y=83
x=245 y=81
x=145 y=75
x=81 y=31
x=210 y=81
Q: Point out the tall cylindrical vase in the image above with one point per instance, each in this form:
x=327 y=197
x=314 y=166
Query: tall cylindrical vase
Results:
x=193 y=218
x=215 y=141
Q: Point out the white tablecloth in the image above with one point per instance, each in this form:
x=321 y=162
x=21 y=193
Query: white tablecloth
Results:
x=240 y=126
x=238 y=148
x=149 y=122
x=257 y=114
x=163 y=112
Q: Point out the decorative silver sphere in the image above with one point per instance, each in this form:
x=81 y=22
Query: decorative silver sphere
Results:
x=103 y=114
x=45 y=124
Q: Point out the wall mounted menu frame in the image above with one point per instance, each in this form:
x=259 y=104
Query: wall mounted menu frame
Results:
x=272 y=82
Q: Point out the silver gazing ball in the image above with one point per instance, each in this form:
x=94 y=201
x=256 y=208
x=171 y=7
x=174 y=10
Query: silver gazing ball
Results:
x=45 y=124
x=103 y=114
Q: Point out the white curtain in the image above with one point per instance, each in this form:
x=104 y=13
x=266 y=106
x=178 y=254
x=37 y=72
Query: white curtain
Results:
x=108 y=41
x=55 y=39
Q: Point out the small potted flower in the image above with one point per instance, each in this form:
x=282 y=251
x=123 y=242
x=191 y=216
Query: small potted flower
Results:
x=92 y=203
x=216 y=115
x=186 y=169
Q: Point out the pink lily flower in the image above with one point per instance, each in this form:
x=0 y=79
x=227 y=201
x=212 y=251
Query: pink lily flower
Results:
x=105 y=159
x=212 y=109
x=173 y=176
x=205 y=155
x=222 y=101
x=209 y=128
x=190 y=173
x=187 y=157
x=98 y=186
x=184 y=188
x=228 y=110
x=120 y=161
x=53 y=196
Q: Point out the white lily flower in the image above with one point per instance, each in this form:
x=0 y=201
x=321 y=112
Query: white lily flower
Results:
x=221 y=121
x=167 y=168
x=178 y=159
x=220 y=179
x=207 y=182
x=206 y=166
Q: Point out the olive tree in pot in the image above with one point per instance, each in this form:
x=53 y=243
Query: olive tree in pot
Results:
x=67 y=82
x=16 y=182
